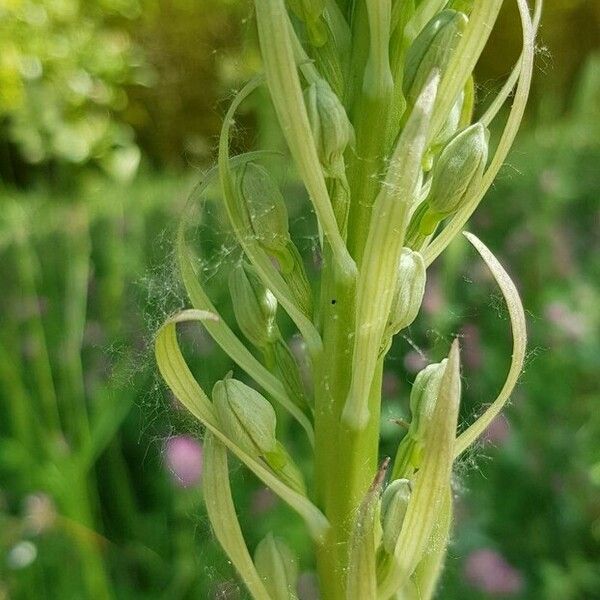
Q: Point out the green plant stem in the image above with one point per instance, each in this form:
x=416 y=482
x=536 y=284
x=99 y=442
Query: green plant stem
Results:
x=346 y=461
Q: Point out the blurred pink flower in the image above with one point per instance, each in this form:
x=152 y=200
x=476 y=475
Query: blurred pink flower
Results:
x=184 y=460
x=390 y=385
x=415 y=361
x=472 y=353
x=263 y=500
x=433 y=300
x=487 y=570
x=572 y=324
x=497 y=431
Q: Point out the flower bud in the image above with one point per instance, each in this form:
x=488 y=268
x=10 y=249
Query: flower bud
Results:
x=424 y=395
x=432 y=49
x=288 y=373
x=311 y=13
x=457 y=171
x=255 y=306
x=449 y=128
x=246 y=417
x=277 y=567
x=330 y=126
x=409 y=291
x=394 y=503
x=264 y=208
x=295 y=277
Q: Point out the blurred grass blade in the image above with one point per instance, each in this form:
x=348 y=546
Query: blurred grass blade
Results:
x=430 y=483
x=180 y=380
x=519 y=333
x=223 y=518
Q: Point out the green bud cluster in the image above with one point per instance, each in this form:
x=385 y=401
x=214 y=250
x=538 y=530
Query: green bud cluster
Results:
x=375 y=103
x=424 y=395
x=330 y=125
x=246 y=417
x=432 y=49
x=255 y=306
x=264 y=212
x=410 y=288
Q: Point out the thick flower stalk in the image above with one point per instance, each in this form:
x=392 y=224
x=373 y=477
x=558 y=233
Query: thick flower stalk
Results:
x=376 y=103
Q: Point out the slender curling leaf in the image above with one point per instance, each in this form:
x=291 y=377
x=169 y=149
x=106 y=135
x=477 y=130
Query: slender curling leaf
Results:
x=230 y=343
x=263 y=265
x=286 y=93
x=182 y=383
x=457 y=222
x=430 y=483
x=462 y=63
x=509 y=84
x=223 y=518
x=519 y=333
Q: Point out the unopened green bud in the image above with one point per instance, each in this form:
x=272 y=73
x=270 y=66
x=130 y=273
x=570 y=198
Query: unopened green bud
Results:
x=264 y=208
x=409 y=291
x=394 y=503
x=288 y=373
x=432 y=49
x=311 y=12
x=330 y=126
x=246 y=417
x=295 y=277
x=455 y=174
x=424 y=395
x=254 y=305
x=450 y=126
x=278 y=568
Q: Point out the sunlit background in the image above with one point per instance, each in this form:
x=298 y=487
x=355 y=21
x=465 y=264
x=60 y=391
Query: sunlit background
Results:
x=109 y=112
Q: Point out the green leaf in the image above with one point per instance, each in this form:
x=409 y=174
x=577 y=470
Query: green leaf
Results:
x=457 y=222
x=229 y=342
x=362 y=567
x=259 y=259
x=519 y=333
x=223 y=518
x=431 y=482
x=284 y=86
x=180 y=380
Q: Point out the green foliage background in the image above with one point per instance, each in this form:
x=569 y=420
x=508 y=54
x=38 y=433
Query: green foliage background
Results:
x=108 y=109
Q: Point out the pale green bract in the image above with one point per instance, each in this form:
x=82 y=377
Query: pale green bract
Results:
x=375 y=101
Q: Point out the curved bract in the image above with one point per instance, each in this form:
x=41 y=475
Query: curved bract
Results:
x=393 y=165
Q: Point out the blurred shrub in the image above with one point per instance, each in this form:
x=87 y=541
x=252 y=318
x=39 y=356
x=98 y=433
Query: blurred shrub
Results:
x=65 y=67
x=194 y=47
